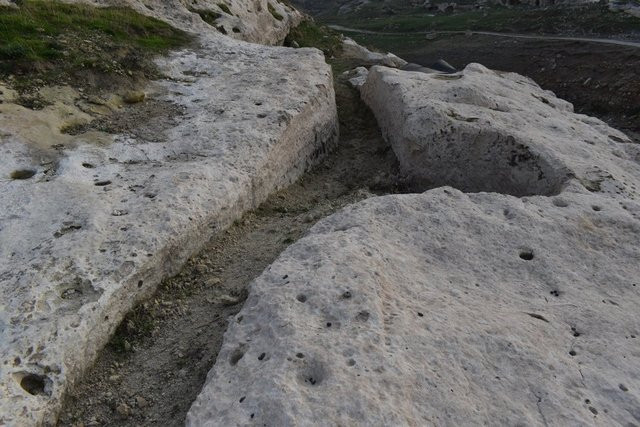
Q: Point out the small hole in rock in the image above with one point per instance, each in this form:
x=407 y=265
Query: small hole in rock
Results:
x=88 y=165
x=363 y=316
x=34 y=384
x=328 y=324
x=242 y=399
x=102 y=183
x=71 y=293
x=593 y=410
x=236 y=356
x=301 y=298
x=526 y=255
x=314 y=373
x=420 y=314
x=262 y=355
x=22 y=174
x=623 y=387
x=596 y=208
x=300 y=355
x=351 y=362
x=140 y=282
x=346 y=295
x=555 y=293
x=572 y=353
x=587 y=401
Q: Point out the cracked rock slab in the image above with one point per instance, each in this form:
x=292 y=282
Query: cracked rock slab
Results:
x=440 y=309
x=91 y=231
x=450 y=308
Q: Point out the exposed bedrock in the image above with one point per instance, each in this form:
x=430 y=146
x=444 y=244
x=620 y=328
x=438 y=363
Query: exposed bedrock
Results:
x=442 y=308
x=90 y=225
x=449 y=308
x=480 y=130
x=256 y=21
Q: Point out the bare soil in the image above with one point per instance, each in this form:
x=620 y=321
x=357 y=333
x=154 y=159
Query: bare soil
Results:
x=158 y=360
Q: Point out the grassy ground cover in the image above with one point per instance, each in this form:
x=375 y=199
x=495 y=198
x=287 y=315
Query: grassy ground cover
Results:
x=51 y=41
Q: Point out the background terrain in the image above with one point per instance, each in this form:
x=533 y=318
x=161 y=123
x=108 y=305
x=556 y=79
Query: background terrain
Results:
x=599 y=79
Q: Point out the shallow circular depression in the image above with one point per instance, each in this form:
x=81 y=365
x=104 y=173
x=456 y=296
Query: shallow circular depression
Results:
x=20 y=174
x=34 y=384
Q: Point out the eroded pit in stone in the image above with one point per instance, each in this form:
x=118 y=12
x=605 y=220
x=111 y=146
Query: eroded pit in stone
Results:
x=22 y=174
x=34 y=384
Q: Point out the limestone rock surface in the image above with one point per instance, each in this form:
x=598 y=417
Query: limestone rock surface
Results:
x=481 y=130
x=420 y=310
x=256 y=21
x=452 y=308
x=91 y=223
x=352 y=49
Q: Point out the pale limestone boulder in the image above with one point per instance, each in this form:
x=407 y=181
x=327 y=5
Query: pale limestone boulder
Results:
x=105 y=217
x=351 y=49
x=420 y=310
x=446 y=308
x=256 y=21
x=480 y=130
x=357 y=76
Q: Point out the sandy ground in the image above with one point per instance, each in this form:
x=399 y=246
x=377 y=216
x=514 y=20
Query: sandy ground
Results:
x=157 y=363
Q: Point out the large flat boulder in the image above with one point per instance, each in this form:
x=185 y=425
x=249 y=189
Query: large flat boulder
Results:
x=452 y=308
x=481 y=130
x=442 y=308
x=92 y=222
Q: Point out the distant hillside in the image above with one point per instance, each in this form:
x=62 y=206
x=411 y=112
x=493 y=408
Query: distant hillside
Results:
x=575 y=18
x=377 y=8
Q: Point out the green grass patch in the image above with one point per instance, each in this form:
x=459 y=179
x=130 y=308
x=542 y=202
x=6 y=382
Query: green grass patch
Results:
x=309 y=34
x=274 y=12
x=52 y=39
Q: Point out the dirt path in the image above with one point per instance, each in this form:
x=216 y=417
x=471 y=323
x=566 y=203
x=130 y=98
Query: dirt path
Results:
x=158 y=360
x=495 y=34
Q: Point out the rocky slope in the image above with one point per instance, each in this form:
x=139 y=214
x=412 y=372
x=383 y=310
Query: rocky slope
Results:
x=257 y=21
x=92 y=222
x=444 y=307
